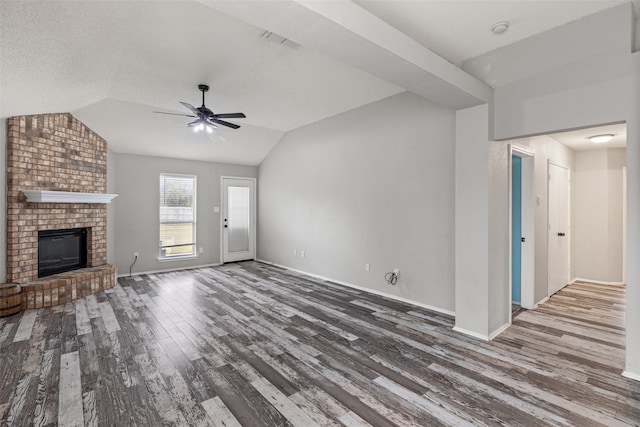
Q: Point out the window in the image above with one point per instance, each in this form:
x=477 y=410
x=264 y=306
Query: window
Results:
x=177 y=216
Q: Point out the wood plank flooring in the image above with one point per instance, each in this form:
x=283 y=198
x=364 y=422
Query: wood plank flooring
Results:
x=248 y=344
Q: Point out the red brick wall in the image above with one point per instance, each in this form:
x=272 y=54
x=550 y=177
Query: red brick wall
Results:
x=52 y=152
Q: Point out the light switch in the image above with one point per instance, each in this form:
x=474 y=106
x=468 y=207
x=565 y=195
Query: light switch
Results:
x=216 y=209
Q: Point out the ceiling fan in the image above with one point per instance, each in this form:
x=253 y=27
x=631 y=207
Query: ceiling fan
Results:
x=205 y=118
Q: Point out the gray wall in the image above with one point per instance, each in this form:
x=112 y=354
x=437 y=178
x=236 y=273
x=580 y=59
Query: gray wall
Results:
x=136 y=209
x=596 y=211
x=373 y=185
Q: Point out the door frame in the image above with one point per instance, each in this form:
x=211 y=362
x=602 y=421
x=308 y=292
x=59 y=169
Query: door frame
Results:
x=549 y=163
x=624 y=224
x=527 y=264
x=223 y=211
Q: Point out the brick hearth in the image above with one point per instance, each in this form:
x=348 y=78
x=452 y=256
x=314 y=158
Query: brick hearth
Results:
x=55 y=152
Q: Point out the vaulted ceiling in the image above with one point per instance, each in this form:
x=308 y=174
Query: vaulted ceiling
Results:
x=111 y=63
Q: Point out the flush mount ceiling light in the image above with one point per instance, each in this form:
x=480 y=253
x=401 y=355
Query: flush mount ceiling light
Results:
x=500 y=27
x=601 y=139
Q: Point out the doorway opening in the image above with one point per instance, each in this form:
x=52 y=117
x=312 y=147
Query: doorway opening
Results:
x=522 y=229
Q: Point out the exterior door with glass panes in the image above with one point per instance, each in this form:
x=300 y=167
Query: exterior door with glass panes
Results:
x=238 y=219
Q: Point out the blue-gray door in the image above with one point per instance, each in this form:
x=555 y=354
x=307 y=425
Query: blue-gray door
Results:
x=516 y=228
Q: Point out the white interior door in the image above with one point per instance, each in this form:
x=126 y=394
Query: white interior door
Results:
x=238 y=219
x=558 y=228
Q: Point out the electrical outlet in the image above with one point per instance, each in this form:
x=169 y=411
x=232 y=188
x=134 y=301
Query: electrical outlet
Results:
x=135 y=254
x=201 y=250
x=366 y=267
x=294 y=252
x=301 y=254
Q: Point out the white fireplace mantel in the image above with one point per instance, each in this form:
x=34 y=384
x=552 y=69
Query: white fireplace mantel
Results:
x=43 y=196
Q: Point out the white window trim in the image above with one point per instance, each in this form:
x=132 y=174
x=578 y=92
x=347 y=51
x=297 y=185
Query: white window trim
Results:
x=194 y=255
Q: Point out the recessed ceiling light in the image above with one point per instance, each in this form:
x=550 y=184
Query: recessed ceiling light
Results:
x=600 y=139
x=500 y=27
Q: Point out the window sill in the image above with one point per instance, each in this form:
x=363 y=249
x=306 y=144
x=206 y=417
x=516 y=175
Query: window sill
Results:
x=177 y=258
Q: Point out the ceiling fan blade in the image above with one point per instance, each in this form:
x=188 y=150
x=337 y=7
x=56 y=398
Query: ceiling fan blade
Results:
x=193 y=109
x=194 y=123
x=223 y=123
x=229 y=116
x=173 y=114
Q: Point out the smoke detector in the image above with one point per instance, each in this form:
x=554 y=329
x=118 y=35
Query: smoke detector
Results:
x=500 y=27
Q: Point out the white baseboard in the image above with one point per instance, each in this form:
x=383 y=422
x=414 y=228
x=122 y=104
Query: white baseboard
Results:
x=483 y=337
x=471 y=333
x=631 y=375
x=542 y=301
x=498 y=331
x=597 y=282
x=138 y=273
x=362 y=288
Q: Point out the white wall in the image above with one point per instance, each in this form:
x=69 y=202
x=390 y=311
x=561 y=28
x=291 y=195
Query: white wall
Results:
x=636 y=45
x=596 y=208
x=373 y=185
x=633 y=226
x=546 y=150
x=472 y=222
x=598 y=90
x=561 y=90
x=574 y=108
x=482 y=232
x=616 y=163
x=136 y=209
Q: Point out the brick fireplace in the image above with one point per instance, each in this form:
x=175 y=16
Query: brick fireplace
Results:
x=55 y=152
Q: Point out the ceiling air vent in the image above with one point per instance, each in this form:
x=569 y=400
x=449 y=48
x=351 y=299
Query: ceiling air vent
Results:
x=274 y=38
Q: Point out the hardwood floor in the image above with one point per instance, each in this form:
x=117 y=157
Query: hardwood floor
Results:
x=253 y=345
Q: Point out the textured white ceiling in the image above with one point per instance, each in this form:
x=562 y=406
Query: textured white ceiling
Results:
x=111 y=63
x=461 y=29
x=89 y=57
x=168 y=136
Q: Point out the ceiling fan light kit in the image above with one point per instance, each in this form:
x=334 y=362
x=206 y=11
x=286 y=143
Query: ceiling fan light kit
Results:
x=206 y=120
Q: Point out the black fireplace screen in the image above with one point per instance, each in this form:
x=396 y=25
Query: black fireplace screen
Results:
x=61 y=250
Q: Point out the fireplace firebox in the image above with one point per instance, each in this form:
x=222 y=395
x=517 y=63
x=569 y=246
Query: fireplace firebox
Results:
x=61 y=250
